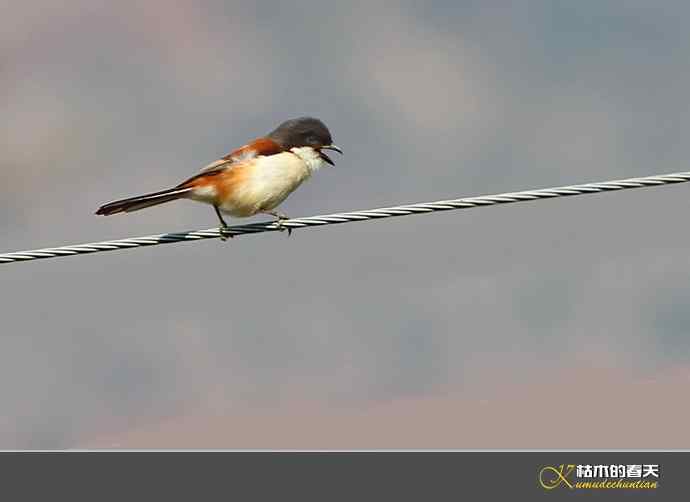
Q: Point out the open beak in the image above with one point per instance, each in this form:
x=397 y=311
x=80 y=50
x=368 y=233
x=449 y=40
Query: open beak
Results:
x=325 y=157
x=334 y=148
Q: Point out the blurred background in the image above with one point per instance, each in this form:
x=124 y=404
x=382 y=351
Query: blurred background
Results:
x=558 y=324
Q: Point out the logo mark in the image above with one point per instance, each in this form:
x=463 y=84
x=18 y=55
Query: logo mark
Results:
x=552 y=477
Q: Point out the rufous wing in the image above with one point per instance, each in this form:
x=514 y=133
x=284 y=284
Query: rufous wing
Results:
x=258 y=147
x=261 y=146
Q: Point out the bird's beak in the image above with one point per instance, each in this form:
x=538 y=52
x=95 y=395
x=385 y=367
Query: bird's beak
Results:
x=334 y=148
x=325 y=157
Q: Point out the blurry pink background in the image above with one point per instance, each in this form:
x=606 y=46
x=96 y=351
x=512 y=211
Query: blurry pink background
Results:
x=558 y=324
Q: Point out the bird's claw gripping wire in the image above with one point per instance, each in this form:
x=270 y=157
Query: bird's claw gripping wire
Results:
x=280 y=218
x=224 y=235
x=223 y=229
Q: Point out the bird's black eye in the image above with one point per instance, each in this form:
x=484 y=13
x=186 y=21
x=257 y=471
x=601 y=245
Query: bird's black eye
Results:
x=312 y=140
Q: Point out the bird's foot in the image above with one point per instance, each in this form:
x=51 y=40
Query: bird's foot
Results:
x=224 y=235
x=283 y=228
x=279 y=221
x=223 y=226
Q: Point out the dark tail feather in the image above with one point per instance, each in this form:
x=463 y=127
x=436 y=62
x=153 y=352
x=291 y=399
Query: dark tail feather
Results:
x=142 y=201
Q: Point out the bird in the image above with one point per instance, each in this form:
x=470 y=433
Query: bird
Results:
x=252 y=179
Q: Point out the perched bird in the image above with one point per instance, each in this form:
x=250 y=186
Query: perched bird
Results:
x=253 y=179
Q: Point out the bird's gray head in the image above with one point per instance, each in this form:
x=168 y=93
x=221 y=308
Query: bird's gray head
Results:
x=305 y=131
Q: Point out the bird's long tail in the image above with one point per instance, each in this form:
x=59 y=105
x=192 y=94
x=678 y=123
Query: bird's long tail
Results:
x=142 y=201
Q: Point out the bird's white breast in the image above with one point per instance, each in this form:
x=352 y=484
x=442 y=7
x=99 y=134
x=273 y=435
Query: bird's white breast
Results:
x=270 y=179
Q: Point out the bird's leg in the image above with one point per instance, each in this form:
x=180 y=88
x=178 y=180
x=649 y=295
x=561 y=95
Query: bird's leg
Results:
x=279 y=223
x=223 y=225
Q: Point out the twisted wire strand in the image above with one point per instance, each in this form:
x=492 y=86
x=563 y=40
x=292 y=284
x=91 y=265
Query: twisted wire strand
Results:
x=353 y=216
